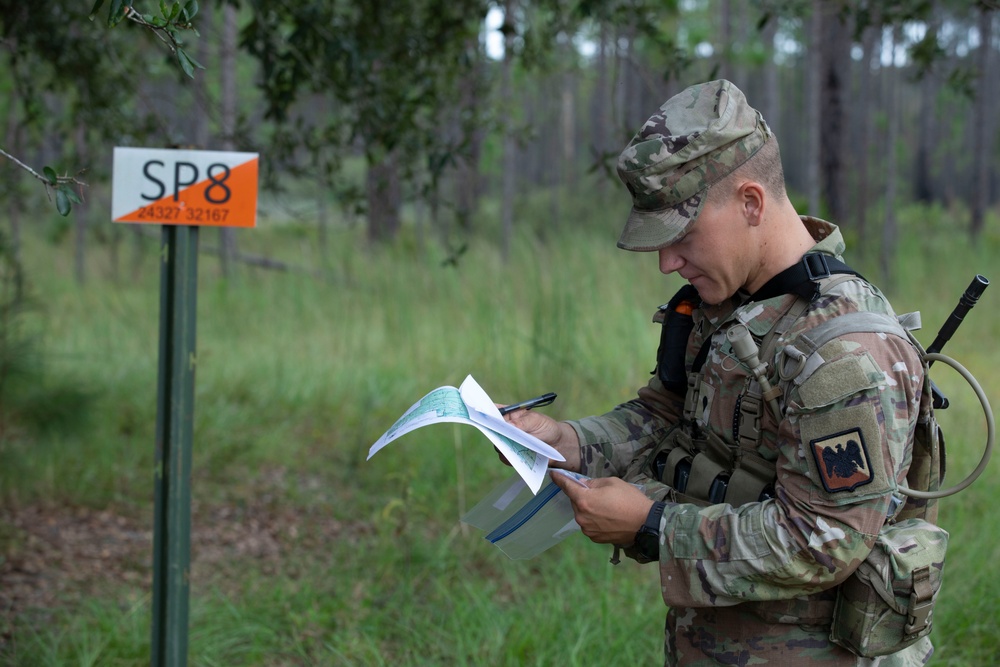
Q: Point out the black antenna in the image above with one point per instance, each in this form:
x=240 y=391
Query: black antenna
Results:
x=965 y=304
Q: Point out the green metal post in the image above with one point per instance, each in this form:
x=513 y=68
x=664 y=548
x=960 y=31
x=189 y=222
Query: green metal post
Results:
x=174 y=422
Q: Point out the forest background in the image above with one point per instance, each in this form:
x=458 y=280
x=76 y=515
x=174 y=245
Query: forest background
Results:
x=438 y=199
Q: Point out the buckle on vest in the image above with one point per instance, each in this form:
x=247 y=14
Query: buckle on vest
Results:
x=921 y=602
x=919 y=617
x=816 y=266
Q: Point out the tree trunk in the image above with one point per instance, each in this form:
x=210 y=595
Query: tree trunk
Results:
x=509 y=159
x=567 y=121
x=621 y=45
x=384 y=194
x=742 y=28
x=871 y=47
x=200 y=128
x=982 y=126
x=228 y=83
x=923 y=189
x=813 y=113
x=835 y=57
x=552 y=163
x=725 y=45
x=468 y=133
x=889 y=232
x=768 y=105
x=600 y=121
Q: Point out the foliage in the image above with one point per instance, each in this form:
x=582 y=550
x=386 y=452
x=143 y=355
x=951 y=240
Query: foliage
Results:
x=173 y=19
x=547 y=23
x=391 y=67
x=385 y=77
x=55 y=53
x=62 y=186
x=48 y=52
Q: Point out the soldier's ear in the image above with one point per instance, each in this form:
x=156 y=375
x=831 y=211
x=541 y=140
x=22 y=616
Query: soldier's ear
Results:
x=752 y=202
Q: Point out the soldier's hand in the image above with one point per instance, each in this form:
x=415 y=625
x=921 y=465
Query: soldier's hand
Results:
x=609 y=510
x=559 y=435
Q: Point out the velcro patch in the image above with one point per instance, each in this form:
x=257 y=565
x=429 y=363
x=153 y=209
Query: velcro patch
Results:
x=842 y=460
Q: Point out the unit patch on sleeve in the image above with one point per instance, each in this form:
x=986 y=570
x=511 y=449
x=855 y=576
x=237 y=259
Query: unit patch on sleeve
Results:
x=842 y=460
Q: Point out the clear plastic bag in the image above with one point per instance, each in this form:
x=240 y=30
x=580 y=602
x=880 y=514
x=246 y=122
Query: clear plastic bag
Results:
x=522 y=524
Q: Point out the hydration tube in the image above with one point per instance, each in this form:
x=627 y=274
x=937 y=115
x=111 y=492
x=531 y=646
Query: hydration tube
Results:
x=931 y=357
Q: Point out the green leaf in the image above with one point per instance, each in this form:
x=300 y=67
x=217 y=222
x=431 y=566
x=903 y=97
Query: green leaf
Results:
x=115 y=14
x=73 y=196
x=97 y=7
x=50 y=174
x=191 y=9
x=187 y=62
x=164 y=10
x=63 y=204
x=175 y=10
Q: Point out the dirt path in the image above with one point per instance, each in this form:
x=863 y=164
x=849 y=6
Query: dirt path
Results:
x=52 y=556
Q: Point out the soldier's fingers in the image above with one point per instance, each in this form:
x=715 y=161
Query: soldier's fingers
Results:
x=563 y=483
x=503 y=459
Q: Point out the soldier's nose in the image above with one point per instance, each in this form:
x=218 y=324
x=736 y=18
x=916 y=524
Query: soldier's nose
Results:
x=670 y=260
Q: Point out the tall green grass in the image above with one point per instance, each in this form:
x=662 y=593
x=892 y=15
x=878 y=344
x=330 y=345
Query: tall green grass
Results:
x=297 y=377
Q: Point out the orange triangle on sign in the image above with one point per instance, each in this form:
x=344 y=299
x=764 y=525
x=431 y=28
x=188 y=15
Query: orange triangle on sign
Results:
x=215 y=201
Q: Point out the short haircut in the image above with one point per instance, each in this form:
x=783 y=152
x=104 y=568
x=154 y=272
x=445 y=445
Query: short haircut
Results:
x=763 y=167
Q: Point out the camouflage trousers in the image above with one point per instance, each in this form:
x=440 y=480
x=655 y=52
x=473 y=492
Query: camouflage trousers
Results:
x=735 y=636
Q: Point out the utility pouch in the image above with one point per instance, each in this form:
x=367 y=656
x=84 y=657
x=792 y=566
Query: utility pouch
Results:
x=887 y=604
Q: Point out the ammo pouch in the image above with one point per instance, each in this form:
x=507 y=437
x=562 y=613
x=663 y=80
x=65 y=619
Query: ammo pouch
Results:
x=888 y=602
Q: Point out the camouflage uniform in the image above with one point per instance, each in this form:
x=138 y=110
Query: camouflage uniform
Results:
x=755 y=583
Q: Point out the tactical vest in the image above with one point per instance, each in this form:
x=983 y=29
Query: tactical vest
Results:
x=702 y=468
x=698 y=466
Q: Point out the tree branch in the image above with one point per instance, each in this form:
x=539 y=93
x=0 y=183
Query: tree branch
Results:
x=65 y=195
x=59 y=180
x=161 y=33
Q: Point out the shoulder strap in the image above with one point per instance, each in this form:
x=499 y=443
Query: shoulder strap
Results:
x=801 y=354
x=802 y=278
x=798 y=309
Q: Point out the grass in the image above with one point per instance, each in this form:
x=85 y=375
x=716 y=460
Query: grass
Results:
x=297 y=377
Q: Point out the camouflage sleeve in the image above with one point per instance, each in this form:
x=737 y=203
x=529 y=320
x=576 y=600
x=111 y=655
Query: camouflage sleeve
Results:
x=842 y=450
x=610 y=442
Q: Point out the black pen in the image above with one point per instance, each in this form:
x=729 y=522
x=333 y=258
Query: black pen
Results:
x=537 y=402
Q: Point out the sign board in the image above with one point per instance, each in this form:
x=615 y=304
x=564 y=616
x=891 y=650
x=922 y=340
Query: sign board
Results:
x=184 y=187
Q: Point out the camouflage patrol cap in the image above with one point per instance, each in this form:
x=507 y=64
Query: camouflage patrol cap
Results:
x=697 y=138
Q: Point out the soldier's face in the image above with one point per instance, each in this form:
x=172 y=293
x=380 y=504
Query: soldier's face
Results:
x=716 y=255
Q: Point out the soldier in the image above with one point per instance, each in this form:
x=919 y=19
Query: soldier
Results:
x=756 y=475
